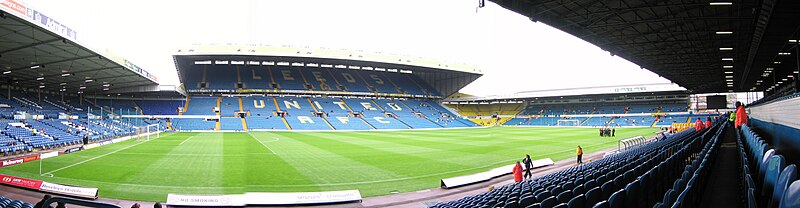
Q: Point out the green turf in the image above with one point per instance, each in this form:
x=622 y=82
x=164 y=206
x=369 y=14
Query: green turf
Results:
x=376 y=163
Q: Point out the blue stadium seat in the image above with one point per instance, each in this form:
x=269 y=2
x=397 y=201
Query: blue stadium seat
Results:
x=590 y=184
x=564 y=196
x=578 y=189
x=633 y=197
x=669 y=197
x=578 y=201
x=549 y=202
x=773 y=169
x=526 y=200
x=608 y=189
x=617 y=199
x=791 y=197
x=544 y=195
x=788 y=175
x=602 y=204
x=594 y=195
x=762 y=165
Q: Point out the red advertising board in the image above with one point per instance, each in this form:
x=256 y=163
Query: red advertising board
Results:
x=19 y=160
x=20 y=182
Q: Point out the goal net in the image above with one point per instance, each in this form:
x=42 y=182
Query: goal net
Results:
x=143 y=133
x=568 y=122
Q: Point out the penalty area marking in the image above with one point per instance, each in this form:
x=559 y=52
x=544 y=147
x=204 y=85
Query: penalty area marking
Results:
x=265 y=145
x=94 y=158
x=187 y=139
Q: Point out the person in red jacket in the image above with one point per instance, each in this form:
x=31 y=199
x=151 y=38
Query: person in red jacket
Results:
x=708 y=122
x=741 y=115
x=517 y=172
x=698 y=125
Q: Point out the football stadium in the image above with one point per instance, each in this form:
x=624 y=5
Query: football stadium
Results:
x=292 y=126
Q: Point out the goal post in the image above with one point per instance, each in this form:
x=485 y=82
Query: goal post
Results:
x=143 y=132
x=568 y=122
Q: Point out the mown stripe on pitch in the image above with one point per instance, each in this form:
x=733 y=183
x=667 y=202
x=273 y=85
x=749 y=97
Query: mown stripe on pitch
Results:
x=440 y=153
x=322 y=165
x=403 y=164
x=274 y=169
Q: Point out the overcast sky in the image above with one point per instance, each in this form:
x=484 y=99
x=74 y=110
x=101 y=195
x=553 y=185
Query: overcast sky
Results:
x=514 y=53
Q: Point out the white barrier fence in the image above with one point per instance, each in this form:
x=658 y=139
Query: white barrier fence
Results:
x=488 y=175
x=265 y=198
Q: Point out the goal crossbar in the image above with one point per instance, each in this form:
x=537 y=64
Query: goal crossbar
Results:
x=144 y=132
x=569 y=122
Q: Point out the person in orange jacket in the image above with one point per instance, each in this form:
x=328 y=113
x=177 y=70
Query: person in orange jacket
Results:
x=708 y=122
x=579 y=153
x=698 y=125
x=517 y=172
x=741 y=115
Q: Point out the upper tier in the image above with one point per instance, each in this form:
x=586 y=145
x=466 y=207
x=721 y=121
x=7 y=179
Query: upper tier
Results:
x=246 y=78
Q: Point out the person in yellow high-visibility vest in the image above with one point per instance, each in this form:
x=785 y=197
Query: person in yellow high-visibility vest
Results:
x=579 y=153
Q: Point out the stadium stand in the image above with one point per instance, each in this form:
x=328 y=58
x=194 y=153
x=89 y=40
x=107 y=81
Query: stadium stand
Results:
x=405 y=114
x=160 y=107
x=671 y=167
x=193 y=124
x=229 y=106
x=201 y=106
x=231 y=124
x=373 y=114
x=437 y=113
x=292 y=78
x=120 y=107
x=339 y=115
x=488 y=110
x=261 y=113
x=301 y=115
x=534 y=121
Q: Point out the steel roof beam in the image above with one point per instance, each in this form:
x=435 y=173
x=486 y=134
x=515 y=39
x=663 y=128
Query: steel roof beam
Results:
x=30 y=45
x=764 y=14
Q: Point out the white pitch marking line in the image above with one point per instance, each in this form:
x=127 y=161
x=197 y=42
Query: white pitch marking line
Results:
x=187 y=139
x=262 y=143
x=94 y=158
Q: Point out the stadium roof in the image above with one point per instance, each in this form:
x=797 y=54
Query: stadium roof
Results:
x=446 y=77
x=38 y=52
x=704 y=46
x=584 y=91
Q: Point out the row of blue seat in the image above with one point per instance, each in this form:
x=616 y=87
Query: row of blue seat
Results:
x=617 y=181
x=10 y=203
x=777 y=184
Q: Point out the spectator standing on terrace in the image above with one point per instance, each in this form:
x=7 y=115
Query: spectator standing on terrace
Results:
x=613 y=132
x=579 y=153
x=517 y=172
x=528 y=165
x=732 y=118
x=741 y=115
x=601 y=132
x=708 y=122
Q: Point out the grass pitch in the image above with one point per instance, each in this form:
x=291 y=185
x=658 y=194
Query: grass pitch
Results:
x=376 y=163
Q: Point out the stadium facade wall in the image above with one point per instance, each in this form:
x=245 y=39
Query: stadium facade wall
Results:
x=778 y=120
